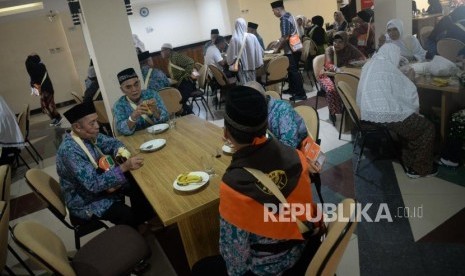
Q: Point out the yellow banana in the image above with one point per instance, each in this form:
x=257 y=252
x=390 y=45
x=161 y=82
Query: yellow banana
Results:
x=186 y=179
x=440 y=82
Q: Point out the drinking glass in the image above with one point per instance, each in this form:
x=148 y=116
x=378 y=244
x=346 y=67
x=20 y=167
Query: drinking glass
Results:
x=172 y=120
x=207 y=163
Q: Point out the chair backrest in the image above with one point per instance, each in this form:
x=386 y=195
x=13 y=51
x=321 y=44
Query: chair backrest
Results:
x=4 y=219
x=345 y=92
x=5 y=182
x=101 y=112
x=27 y=111
x=49 y=190
x=171 y=98
x=76 y=97
x=273 y=94
x=22 y=123
x=311 y=120
x=351 y=80
x=43 y=246
x=272 y=45
x=318 y=64
x=424 y=34
x=449 y=48
x=331 y=250
x=276 y=69
x=198 y=66
x=219 y=76
x=202 y=80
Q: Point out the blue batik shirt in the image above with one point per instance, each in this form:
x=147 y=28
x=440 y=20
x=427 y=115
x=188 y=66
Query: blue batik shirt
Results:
x=284 y=123
x=122 y=110
x=84 y=187
x=158 y=79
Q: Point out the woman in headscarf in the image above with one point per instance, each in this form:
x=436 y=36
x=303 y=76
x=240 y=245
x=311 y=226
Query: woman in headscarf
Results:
x=363 y=35
x=301 y=24
x=386 y=96
x=338 y=55
x=252 y=54
x=340 y=22
x=409 y=45
x=434 y=7
x=41 y=81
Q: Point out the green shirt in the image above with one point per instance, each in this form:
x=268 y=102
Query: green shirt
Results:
x=180 y=61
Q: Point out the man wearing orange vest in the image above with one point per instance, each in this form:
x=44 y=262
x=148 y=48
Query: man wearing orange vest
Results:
x=249 y=243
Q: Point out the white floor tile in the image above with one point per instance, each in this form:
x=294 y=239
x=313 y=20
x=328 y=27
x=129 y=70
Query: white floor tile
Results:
x=349 y=265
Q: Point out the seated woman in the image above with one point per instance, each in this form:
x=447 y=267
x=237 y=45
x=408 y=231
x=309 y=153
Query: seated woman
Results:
x=363 y=34
x=137 y=109
x=434 y=7
x=386 y=96
x=340 y=22
x=409 y=45
x=338 y=55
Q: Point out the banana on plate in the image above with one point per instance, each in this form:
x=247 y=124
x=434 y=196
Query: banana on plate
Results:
x=186 y=179
x=440 y=82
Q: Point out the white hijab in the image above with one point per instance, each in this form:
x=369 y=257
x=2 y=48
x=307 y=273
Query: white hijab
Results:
x=384 y=93
x=409 y=45
x=252 y=55
x=10 y=134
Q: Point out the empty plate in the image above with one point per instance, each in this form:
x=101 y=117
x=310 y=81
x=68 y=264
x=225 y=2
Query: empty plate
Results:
x=158 y=128
x=152 y=145
x=192 y=186
x=227 y=149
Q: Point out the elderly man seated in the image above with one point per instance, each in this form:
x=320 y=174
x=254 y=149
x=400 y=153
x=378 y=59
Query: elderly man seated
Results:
x=137 y=109
x=154 y=78
x=92 y=185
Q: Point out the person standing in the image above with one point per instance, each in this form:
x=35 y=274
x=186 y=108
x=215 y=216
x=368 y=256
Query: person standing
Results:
x=40 y=80
x=288 y=28
x=251 y=56
x=252 y=29
x=214 y=33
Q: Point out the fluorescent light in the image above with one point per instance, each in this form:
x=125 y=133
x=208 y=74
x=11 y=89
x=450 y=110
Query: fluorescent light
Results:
x=21 y=8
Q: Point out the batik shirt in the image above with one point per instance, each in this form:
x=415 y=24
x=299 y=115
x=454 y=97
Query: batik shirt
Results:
x=182 y=61
x=235 y=248
x=158 y=79
x=83 y=187
x=287 y=27
x=122 y=110
x=285 y=124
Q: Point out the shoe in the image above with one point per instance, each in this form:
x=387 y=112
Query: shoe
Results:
x=447 y=163
x=413 y=174
x=298 y=98
x=56 y=122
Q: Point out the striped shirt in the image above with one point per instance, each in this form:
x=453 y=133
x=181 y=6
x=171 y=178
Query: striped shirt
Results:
x=287 y=26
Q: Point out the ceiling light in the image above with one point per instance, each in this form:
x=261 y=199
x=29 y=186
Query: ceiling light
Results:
x=21 y=8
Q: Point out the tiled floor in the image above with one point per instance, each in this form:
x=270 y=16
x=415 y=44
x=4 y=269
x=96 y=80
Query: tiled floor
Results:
x=441 y=228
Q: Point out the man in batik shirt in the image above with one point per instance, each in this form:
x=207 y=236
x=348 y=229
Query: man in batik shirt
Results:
x=153 y=78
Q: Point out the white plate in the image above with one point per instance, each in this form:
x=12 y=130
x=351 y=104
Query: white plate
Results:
x=158 y=128
x=192 y=186
x=268 y=51
x=227 y=149
x=152 y=145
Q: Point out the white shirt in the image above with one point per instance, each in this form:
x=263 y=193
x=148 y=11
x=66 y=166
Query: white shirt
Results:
x=10 y=134
x=213 y=57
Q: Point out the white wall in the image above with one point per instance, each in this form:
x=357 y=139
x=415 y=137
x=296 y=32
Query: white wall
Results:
x=179 y=22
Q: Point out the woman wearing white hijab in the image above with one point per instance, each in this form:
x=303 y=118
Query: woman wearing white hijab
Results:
x=409 y=45
x=386 y=96
x=252 y=55
x=10 y=134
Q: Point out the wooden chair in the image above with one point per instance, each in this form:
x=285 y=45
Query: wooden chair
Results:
x=351 y=80
x=272 y=45
x=103 y=119
x=224 y=83
x=312 y=123
x=49 y=190
x=273 y=94
x=329 y=254
x=364 y=128
x=424 y=34
x=318 y=65
x=116 y=251
x=276 y=72
x=198 y=95
x=77 y=98
x=449 y=48
x=171 y=98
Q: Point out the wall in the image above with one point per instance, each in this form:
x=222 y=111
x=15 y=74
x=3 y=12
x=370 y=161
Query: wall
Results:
x=260 y=13
x=179 y=22
x=35 y=34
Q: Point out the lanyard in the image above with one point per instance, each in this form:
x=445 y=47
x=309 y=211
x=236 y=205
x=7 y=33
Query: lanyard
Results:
x=79 y=141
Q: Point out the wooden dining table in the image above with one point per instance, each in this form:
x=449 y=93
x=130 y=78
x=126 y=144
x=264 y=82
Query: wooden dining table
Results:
x=195 y=213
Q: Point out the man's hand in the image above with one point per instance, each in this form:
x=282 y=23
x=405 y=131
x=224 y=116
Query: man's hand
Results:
x=313 y=167
x=132 y=163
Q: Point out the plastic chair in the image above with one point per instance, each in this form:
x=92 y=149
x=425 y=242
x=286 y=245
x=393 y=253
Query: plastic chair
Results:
x=276 y=72
x=449 y=48
x=424 y=34
x=329 y=254
x=351 y=80
x=273 y=94
x=49 y=190
x=224 y=83
x=103 y=119
x=318 y=65
x=171 y=98
x=116 y=251
x=198 y=95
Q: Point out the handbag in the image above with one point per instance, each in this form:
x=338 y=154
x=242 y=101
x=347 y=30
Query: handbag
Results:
x=235 y=66
x=36 y=91
x=294 y=40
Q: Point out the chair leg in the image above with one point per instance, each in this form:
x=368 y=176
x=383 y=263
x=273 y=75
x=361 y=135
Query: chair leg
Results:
x=10 y=272
x=342 y=122
x=207 y=108
x=20 y=260
x=18 y=164
x=77 y=240
x=360 y=153
x=32 y=155
x=35 y=150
